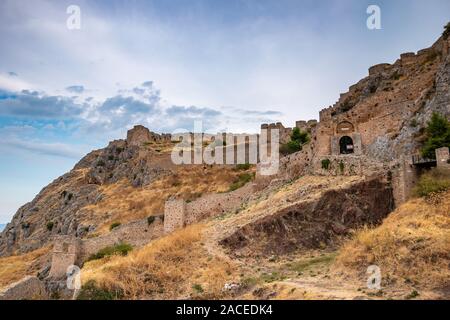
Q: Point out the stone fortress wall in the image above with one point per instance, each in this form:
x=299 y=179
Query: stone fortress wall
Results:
x=69 y=250
x=28 y=288
x=285 y=133
x=378 y=105
x=178 y=213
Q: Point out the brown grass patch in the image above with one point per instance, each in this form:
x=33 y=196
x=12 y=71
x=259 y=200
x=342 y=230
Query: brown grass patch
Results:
x=412 y=246
x=174 y=266
x=14 y=268
x=124 y=203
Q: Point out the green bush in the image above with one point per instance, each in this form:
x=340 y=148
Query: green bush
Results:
x=243 y=166
x=326 y=164
x=241 y=180
x=437 y=135
x=114 y=225
x=290 y=147
x=396 y=75
x=446 y=32
x=50 y=225
x=118 y=249
x=412 y=295
x=341 y=166
x=197 y=288
x=150 y=220
x=101 y=163
x=298 y=139
x=436 y=180
x=90 y=291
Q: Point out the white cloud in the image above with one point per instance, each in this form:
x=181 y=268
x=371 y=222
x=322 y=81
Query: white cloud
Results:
x=13 y=83
x=43 y=148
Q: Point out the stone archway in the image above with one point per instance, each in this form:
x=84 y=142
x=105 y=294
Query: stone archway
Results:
x=346 y=145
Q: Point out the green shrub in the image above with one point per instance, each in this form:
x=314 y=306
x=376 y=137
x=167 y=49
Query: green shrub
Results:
x=100 y=163
x=243 y=166
x=436 y=180
x=290 y=147
x=446 y=32
x=341 y=166
x=118 y=249
x=437 y=135
x=241 y=180
x=114 y=225
x=326 y=164
x=197 y=288
x=90 y=291
x=413 y=123
x=298 y=139
x=301 y=136
x=412 y=295
x=271 y=277
x=396 y=75
x=50 y=225
x=150 y=220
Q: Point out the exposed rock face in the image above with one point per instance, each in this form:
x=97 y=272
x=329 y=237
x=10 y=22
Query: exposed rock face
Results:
x=387 y=110
x=140 y=135
x=59 y=207
x=312 y=224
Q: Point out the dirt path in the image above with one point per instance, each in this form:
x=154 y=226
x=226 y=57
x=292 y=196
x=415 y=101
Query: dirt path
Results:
x=314 y=288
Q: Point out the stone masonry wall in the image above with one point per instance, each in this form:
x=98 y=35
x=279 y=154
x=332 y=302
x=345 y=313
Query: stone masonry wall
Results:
x=70 y=250
x=174 y=215
x=178 y=213
x=217 y=203
x=383 y=103
x=29 y=288
x=443 y=158
x=66 y=250
x=136 y=233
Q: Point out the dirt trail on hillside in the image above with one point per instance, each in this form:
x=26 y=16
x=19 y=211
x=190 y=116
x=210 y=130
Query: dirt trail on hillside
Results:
x=303 y=287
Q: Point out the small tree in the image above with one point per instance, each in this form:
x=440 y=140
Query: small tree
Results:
x=301 y=137
x=446 y=32
x=438 y=135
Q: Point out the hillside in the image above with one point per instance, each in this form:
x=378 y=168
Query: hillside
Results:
x=126 y=181
x=411 y=246
x=142 y=227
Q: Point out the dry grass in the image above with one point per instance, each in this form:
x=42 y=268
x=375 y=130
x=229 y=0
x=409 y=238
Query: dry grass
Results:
x=14 y=268
x=174 y=266
x=124 y=203
x=412 y=246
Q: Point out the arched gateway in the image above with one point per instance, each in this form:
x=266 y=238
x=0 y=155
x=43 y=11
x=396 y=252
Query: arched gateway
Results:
x=346 y=145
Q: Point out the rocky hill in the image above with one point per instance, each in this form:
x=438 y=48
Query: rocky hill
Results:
x=128 y=180
x=254 y=236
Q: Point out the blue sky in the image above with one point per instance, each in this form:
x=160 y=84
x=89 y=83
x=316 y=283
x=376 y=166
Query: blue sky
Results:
x=233 y=64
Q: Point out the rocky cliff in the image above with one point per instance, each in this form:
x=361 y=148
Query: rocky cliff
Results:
x=60 y=207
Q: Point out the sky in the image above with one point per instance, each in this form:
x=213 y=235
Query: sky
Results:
x=232 y=64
